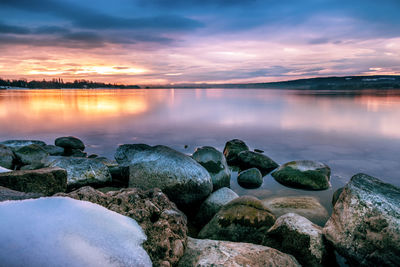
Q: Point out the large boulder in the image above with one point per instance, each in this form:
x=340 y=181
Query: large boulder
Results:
x=183 y=179
x=47 y=181
x=215 y=163
x=69 y=143
x=164 y=225
x=304 y=174
x=297 y=236
x=305 y=206
x=9 y=194
x=365 y=223
x=6 y=157
x=60 y=231
x=14 y=144
x=223 y=253
x=244 y=219
x=82 y=171
x=232 y=149
x=250 y=178
x=250 y=159
x=213 y=204
x=32 y=155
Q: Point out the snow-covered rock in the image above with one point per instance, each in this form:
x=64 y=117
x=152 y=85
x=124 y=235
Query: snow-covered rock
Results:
x=60 y=231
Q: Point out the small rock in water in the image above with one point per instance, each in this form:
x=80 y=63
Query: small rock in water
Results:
x=251 y=178
x=250 y=159
x=305 y=174
x=59 y=231
x=69 y=142
x=186 y=146
x=258 y=150
x=232 y=149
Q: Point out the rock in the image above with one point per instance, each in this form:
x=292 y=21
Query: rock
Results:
x=215 y=163
x=336 y=195
x=250 y=159
x=365 y=223
x=213 y=204
x=258 y=150
x=297 y=236
x=82 y=171
x=75 y=153
x=119 y=175
x=60 y=231
x=305 y=206
x=6 y=157
x=223 y=253
x=232 y=149
x=54 y=150
x=14 y=144
x=4 y=170
x=164 y=225
x=47 y=181
x=9 y=194
x=179 y=176
x=32 y=155
x=93 y=156
x=251 y=178
x=305 y=174
x=69 y=143
x=244 y=219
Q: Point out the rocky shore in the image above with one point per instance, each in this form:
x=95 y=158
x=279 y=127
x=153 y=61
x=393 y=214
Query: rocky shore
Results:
x=153 y=205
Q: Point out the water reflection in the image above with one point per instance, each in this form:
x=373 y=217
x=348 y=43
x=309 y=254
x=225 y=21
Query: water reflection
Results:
x=352 y=131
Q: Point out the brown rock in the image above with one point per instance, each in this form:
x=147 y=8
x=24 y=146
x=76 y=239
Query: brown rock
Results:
x=165 y=226
x=47 y=181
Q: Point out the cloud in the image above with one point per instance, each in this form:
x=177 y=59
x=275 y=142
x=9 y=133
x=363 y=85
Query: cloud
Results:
x=6 y=28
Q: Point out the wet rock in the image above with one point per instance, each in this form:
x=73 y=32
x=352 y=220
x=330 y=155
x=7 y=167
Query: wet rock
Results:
x=364 y=226
x=33 y=155
x=250 y=159
x=165 y=226
x=14 y=144
x=75 y=153
x=82 y=171
x=232 y=149
x=47 y=181
x=9 y=194
x=213 y=204
x=244 y=219
x=305 y=206
x=54 y=150
x=119 y=175
x=251 y=178
x=305 y=174
x=297 y=236
x=336 y=195
x=69 y=143
x=6 y=157
x=183 y=179
x=215 y=163
x=258 y=150
x=223 y=253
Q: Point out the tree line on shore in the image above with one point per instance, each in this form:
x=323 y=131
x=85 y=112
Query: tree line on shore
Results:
x=59 y=83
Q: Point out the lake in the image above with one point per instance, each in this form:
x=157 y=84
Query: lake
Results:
x=351 y=131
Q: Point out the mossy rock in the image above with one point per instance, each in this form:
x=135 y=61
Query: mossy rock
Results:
x=304 y=174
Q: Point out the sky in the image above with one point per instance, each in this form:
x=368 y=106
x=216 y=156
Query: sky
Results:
x=189 y=41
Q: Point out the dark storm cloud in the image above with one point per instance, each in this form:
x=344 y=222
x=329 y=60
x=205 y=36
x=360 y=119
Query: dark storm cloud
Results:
x=6 y=28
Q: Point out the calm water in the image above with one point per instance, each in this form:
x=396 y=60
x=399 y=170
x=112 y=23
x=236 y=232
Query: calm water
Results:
x=350 y=131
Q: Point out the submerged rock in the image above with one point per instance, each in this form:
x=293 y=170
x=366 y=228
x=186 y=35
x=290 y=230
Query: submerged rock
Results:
x=305 y=206
x=164 y=225
x=250 y=159
x=213 y=204
x=32 y=155
x=9 y=194
x=365 y=223
x=215 y=163
x=183 y=179
x=6 y=157
x=69 y=143
x=305 y=174
x=297 y=236
x=223 y=253
x=232 y=150
x=82 y=171
x=58 y=231
x=14 y=144
x=47 y=181
x=251 y=178
x=244 y=219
